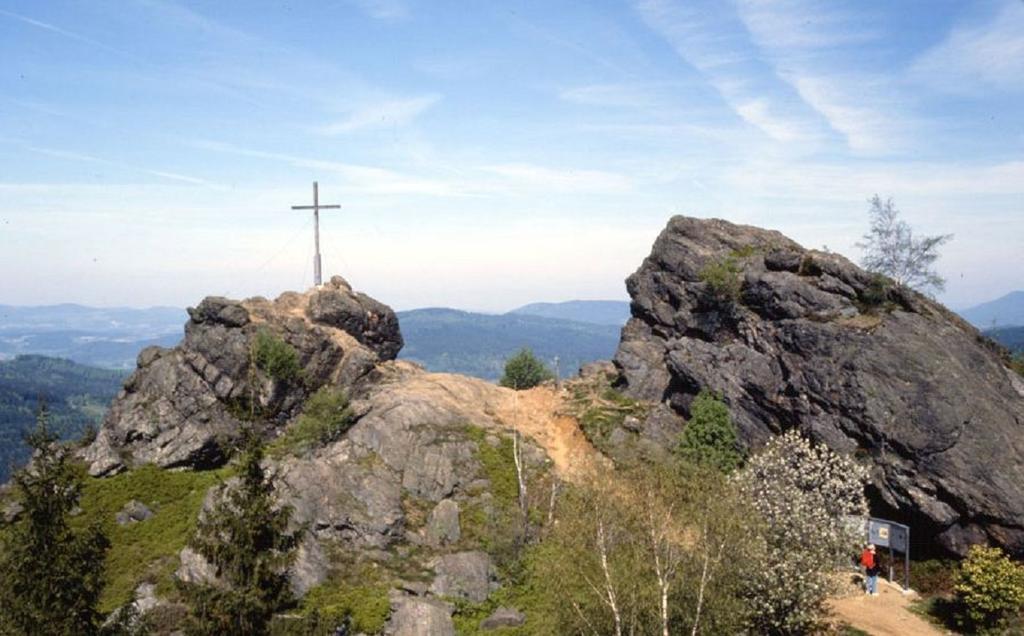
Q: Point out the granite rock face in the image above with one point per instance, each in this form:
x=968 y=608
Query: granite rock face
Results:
x=796 y=338
x=184 y=407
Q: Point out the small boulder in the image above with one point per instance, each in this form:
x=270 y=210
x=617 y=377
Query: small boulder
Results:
x=503 y=617
x=468 y=575
x=415 y=616
x=133 y=512
x=443 y=524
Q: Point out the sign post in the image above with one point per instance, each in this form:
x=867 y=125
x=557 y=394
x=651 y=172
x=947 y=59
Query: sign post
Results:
x=896 y=537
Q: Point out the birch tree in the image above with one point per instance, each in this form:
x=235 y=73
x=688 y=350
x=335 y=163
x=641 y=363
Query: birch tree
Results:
x=891 y=249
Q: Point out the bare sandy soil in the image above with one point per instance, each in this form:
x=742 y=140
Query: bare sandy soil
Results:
x=887 y=614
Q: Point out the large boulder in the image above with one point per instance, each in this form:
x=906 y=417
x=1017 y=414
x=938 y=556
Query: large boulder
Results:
x=185 y=407
x=796 y=338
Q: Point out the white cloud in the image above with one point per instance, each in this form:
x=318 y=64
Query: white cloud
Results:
x=395 y=112
x=716 y=43
x=864 y=125
x=985 y=55
x=799 y=37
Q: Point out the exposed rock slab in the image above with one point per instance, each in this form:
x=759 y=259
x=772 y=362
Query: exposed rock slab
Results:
x=184 y=407
x=812 y=341
x=468 y=575
x=415 y=616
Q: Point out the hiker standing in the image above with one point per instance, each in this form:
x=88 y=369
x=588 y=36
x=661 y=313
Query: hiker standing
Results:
x=869 y=559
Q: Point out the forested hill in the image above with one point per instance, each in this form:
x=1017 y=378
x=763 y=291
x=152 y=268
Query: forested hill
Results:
x=449 y=340
x=600 y=312
x=75 y=395
x=1010 y=337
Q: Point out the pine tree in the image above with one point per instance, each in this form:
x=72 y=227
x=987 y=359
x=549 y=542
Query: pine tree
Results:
x=51 y=575
x=245 y=537
x=525 y=371
x=709 y=438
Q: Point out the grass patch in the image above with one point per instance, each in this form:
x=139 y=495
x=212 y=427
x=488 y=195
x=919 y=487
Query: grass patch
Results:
x=602 y=409
x=147 y=550
x=498 y=466
x=325 y=417
x=366 y=605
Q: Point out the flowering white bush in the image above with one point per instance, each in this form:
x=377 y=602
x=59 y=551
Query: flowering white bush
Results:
x=804 y=492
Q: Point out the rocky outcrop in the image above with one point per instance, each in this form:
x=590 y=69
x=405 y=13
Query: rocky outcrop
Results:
x=184 y=407
x=795 y=338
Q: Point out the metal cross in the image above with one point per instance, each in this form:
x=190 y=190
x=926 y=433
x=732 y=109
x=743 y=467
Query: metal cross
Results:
x=316 y=207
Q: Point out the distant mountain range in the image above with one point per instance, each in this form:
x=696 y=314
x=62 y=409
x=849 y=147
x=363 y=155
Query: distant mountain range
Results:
x=1007 y=311
x=449 y=340
x=598 y=312
x=95 y=336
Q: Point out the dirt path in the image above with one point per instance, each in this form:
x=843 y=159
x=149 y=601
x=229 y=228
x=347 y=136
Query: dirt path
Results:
x=536 y=413
x=887 y=614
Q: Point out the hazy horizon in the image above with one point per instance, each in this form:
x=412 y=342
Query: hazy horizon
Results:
x=492 y=155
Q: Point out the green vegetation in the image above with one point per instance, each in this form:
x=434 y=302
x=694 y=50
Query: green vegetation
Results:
x=933 y=576
x=246 y=539
x=325 y=418
x=146 y=551
x=723 y=280
x=670 y=555
x=600 y=409
x=76 y=397
x=1017 y=363
x=364 y=605
x=525 y=371
x=710 y=436
x=51 y=573
x=275 y=357
x=875 y=296
x=989 y=588
x=497 y=464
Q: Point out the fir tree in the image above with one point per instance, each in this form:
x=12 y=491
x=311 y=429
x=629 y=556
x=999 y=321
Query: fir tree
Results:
x=245 y=537
x=51 y=575
x=525 y=371
x=709 y=438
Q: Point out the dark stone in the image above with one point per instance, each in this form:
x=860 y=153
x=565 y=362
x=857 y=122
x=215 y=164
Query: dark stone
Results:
x=133 y=512
x=904 y=383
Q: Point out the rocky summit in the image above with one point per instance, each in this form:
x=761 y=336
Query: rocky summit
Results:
x=184 y=407
x=798 y=338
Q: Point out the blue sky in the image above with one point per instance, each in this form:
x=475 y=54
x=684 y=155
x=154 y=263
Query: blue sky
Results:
x=488 y=154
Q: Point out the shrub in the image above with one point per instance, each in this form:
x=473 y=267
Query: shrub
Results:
x=275 y=357
x=800 y=490
x=709 y=438
x=876 y=294
x=524 y=370
x=723 y=279
x=325 y=417
x=989 y=587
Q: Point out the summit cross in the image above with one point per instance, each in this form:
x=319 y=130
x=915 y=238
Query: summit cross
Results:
x=316 y=207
